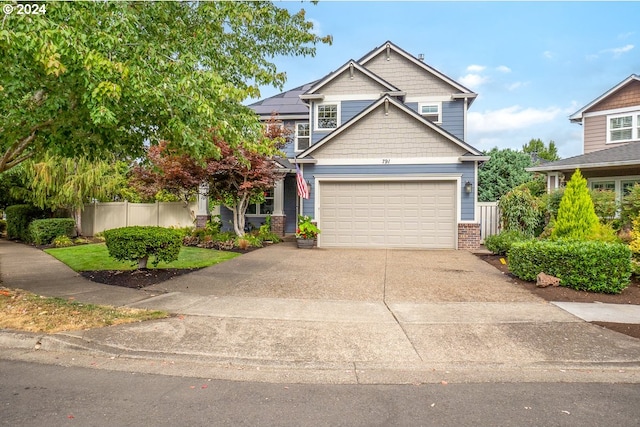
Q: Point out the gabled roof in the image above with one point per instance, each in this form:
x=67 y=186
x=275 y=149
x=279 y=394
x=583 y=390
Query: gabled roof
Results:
x=577 y=116
x=389 y=45
x=351 y=63
x=405 y=109
x=287 y=104
x=620 y=155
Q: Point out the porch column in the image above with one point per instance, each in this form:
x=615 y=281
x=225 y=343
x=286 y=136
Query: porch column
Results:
x=202 y=216
x=278 y=216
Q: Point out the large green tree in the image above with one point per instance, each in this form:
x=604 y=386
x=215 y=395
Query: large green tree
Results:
x=86 y=78
x=504 y=171
x=538 y=150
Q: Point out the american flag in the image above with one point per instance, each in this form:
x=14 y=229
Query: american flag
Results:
x=303 y=189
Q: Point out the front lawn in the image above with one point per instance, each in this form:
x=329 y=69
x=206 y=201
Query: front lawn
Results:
x=96 y=257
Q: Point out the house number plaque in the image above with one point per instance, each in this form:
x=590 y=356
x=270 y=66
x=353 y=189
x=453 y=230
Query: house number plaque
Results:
x=386 y=161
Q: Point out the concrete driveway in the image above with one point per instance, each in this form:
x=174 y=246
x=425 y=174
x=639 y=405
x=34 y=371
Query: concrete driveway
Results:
x=283 y=314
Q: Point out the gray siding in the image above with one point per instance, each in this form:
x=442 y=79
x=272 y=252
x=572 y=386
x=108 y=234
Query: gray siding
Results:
x=452 y=116
x=466 y=169
x=348 y=110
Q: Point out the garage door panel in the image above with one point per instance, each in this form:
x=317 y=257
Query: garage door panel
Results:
x=388 y=214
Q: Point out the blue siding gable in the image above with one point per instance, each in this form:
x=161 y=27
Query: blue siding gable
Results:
x=348 y=110
x=452 y=116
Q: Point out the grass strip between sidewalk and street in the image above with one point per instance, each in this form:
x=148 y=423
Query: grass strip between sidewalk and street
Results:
x=25 y=311
x=94 y=257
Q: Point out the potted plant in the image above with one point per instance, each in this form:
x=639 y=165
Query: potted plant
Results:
x=307 y=232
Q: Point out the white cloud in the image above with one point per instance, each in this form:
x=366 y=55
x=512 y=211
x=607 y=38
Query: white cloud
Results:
x=511 y=118
x=476 y=68
x=548 y=54
x=503 y=69
x=473 y=80
x=316 y=27
x=516 y=85
x=617 y=51
x=623 y=36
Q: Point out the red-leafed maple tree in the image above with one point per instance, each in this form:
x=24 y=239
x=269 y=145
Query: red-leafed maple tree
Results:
x=236 y=178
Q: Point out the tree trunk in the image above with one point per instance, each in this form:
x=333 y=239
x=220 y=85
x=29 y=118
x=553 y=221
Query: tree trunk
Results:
x=142 y=263
x=238 y=220
x=77 y=213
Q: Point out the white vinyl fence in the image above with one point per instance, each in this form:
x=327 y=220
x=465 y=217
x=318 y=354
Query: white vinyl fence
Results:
x=98 y=217
x=489 y=219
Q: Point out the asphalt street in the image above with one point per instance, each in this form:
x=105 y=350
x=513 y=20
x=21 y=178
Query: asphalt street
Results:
x=32 y=394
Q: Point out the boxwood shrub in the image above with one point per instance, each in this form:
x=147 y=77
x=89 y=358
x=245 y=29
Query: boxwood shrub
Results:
x=43 y=231
x=593 y=266
x=18 y=219
x=138 y=243
x=500 y=243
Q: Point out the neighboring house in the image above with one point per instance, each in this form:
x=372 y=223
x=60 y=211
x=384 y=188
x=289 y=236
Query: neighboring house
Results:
x=611 y=142
x=381 y=143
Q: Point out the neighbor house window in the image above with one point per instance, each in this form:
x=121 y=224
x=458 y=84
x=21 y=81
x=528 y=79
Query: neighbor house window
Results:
x=431 y=111
x=604 y=185
x=623 y=127
x=302 y=136
x=264 y=208
x=327 y=116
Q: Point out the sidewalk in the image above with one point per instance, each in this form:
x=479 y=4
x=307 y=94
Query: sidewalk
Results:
x=332 y=316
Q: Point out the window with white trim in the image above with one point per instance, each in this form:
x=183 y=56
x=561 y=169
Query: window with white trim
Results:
x=327 y=116
x=604 y=185
x=264 y=208
x=431 y=111
x=623 y=127
x=302 y=136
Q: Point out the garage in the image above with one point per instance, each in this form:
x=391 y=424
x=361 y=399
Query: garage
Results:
x=388 y=214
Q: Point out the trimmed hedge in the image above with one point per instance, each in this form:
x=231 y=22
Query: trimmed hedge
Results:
x=18 y=219
x=3 y=225
x=592 y=266
x=43 y=231
x=500 y=243
x=138 y=243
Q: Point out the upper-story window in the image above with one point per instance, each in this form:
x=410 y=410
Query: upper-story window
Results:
x=431 y=111
x=327 y=116
x=623 y=127
x=302 y=136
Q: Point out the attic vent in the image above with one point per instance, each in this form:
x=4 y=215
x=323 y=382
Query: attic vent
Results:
x=388 y=52
x=421 y=56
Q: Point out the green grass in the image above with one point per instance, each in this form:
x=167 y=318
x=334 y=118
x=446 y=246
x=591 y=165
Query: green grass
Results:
x=96 y=257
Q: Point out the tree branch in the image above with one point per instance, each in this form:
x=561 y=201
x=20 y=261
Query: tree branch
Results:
x=14 y=154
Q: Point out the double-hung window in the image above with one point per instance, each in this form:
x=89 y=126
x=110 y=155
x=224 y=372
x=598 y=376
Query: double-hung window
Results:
x=327 y=116
x=264 y=208
x=302 y=136
x=431 y=111
x=623 y=127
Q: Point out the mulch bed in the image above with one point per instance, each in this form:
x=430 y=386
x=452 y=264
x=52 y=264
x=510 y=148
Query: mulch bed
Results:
x=135 y=279
x=631 y=295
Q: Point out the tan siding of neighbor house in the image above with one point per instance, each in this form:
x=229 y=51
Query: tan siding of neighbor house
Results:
x=628 y=96
x=595 y=133
x=396 y=135
x=407 y=76
x=345 y=85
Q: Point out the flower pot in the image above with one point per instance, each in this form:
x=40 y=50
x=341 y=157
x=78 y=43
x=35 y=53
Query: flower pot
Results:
x=306 y=243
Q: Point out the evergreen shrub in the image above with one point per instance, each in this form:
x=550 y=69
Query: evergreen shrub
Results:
x=18 y=219
x=500 y=243
x=138 y=243
x=43 y=231
x=592 y=266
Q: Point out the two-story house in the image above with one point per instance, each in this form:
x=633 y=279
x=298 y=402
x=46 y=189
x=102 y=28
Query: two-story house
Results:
x=611 y=142
x=381 y=144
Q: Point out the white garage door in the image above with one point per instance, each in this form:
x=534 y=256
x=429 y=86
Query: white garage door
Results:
x=416 y=214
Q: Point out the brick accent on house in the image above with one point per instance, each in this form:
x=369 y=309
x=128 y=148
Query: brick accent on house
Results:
x=201 y=221
x=277 y=224
x=468 y=236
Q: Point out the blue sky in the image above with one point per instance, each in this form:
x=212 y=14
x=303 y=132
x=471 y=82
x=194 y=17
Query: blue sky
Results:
x=532 y=63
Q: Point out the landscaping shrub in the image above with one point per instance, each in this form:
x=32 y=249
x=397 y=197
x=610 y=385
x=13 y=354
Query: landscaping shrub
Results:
x=576 y=217
x=18 y=219
x=630 y=206
x=604 y=204
x=62 y=241
x=500 y=243
x=138 y=243
x=521 y=212
x=43 y=231
x=583 y=265
x=3 y=226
